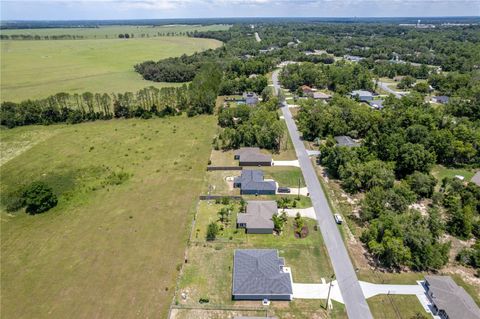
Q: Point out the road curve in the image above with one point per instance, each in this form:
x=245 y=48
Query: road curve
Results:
x=386 y=88
x=355 y=303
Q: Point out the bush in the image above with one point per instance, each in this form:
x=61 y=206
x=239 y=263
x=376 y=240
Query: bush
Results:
x=212 y=231
x=204 y=300
x=39 y=198
x=116 y=178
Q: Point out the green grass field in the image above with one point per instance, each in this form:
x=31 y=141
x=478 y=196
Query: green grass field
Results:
x=111 y=32
x=37 y=69
x=102 y=251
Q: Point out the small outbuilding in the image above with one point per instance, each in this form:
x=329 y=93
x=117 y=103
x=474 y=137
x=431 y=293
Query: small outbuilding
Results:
x=449 y=300
x=252 y=156
x=251 y=182
x=257 y=218
x=345 y=141
x=260 y=274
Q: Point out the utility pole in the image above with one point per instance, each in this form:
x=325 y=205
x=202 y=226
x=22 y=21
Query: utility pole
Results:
x=329 y=289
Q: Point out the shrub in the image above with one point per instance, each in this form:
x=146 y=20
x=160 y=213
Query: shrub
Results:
x=204 y=300
x=212 y=231
x=39 y=198
x=116 y=178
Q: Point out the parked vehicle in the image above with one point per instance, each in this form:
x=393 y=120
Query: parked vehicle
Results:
x=338 y=219
x=283 y=190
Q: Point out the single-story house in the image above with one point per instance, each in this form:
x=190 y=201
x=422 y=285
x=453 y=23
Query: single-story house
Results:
x=308 y=91
x=321 y=96
x=363 y=96
x=376 y=104
x=476 y=178
x=442 y=99
x=250 y=98
x=251 y=156
x=352 y=58
x=346 y=141
x=449 y=300
x=260 y=274
x=251 y=182
x=257 y=218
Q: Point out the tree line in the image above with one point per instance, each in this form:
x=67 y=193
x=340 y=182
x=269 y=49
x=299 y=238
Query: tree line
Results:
x=197 y=98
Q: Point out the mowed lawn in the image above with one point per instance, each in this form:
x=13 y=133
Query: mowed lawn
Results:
x=39 y=68
x=106 y=251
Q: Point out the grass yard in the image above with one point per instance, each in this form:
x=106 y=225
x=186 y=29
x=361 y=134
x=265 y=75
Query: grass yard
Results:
x=395 y=306
x=101 y=252
x=208 y=272
x=112 y=32
x=285 y=176
x=440 y=172
x=39 y=68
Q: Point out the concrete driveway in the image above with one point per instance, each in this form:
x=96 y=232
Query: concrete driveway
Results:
x=294 y=191
x=316 y=291
x=370 y=290
x=294 y=163
x=304 y=212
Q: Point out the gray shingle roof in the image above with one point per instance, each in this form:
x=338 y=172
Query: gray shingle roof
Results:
x=451 y=298
x=258 y=214
x=259 y=272
x=345 y=141
x=361 y=93
x=252 y=154
x=476 y=178
x=253 y=180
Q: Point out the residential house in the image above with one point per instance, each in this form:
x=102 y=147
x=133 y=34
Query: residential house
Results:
x=376 y=104
x=363 y=96
x=346 y=141
x=251 y=182
x=260 y=274
x=321 y=96
x=257 y=218
x=352 y=58
x=250 y=98
x=251 y=156
x=307 y=91
x=442 y=99
x=449 y=300
x=476 y=178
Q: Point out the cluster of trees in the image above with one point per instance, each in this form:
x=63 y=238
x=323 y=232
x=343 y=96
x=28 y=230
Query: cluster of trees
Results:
x=37 y=198
x=340 y=77
x=125 y=36
x=197 y=98
x=401 y=143
x=389 y=69
x=246 y=126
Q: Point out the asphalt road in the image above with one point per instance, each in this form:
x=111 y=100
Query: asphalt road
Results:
x=385 y=87
x=355 y=303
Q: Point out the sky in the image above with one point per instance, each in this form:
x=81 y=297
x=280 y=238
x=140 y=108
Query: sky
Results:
x=163 y=9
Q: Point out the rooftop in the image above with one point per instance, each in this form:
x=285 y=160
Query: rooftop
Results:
x=346 y=141
x=321 y=95
x=258 y=214
x=259 y=271
x=451 y=298
x=253 y=180
x=252 y=154
x=361 y=93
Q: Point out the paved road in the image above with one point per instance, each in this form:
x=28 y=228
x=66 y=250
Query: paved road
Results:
x=355 y=303
x=385 y=87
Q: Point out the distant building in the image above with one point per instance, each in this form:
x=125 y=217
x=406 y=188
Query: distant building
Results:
x=376 y=104
x=260 y=274
x=307 y=91
x=476 y=178
x=449 y=300
x=251 y=156
x=345 y=141
x=250 y=98
x=251 y=182
x=352 y=58
x=321 y=96
x=442 y=99
x=363 y=96
x=257 y=218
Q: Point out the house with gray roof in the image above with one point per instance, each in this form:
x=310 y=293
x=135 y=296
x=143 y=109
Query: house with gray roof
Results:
x=442 y=99
x=321 y=96
x=376 y=104
x=346 y=141
x=260 y=274
x=251 y=182
x=362 y=95
x=257 y=218
x=251 y=156
x=449 y=300
x=250 y=98
x=476 y=178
